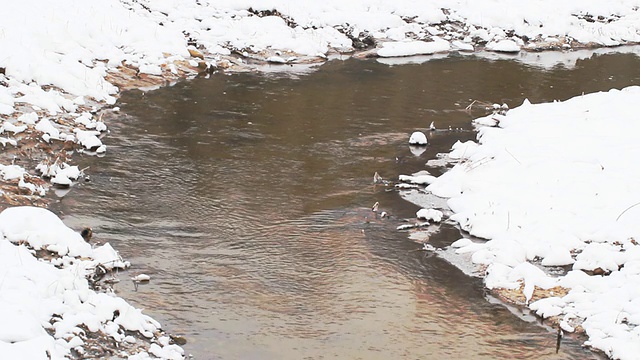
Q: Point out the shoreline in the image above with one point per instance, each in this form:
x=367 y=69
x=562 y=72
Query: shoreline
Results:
x=74 y=122
x=533 y=223
x=58 y=147
x=128 y=80
x=507 y=297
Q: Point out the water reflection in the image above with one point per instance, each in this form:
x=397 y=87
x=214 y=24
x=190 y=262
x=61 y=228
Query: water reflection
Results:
x=247 y=199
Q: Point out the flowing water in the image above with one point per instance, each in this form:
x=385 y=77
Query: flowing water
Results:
x=247 y=199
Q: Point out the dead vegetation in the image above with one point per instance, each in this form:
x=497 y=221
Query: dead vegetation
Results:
x=128 y=77
x=517 y=297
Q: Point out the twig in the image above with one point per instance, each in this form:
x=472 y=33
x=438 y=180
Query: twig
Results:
x=482 y=103
x=508 y=152
x=558 y=339
x=477 y=163
x=468 y=108
x=627 y=209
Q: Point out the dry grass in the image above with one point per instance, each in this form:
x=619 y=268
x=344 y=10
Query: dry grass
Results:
x=517 y=297
x=127 y=77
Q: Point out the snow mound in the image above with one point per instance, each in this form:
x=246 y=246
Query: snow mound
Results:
x=429 y=214
x=548 y=187
x=418 y=138
x=506 y=46
x=410 y=48
x=46 y=309
x=41 y=228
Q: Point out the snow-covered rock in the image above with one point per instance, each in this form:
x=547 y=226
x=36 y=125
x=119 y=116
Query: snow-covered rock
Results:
x=418 y=138
x=506 y=46
x=410 y=48
x=429 y=214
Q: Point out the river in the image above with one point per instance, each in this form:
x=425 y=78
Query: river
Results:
x=247 y=199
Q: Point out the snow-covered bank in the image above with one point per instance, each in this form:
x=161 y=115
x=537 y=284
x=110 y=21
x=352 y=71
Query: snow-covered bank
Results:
x=554 y=190
x=48 y=308
x=312 y=27
x=59 y=70
x=63 y=61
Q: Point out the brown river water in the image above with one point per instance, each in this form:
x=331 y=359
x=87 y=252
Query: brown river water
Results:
x=247 y=199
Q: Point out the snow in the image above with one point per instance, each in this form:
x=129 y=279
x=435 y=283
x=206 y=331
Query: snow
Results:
x=141 y=278
x=71 y=48
x=7 y=126
x=418 y=138
x=47 y=128
x=88 y=138
x=10 y=172
x=62 y=180
x=33 y=189
x=507 y=46
x=462 y=46
x=534 y=197
x=64 y=169
x=552 y=186
x=418 y=178
x=34 y=290
x=410 y=48
x=109 y=257
x=429 y=214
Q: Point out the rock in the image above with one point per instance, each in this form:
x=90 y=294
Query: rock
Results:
x=195 y=53
x=61 y=181
x=86 y=234
x=141 y=278
x=430 y=214
x=418 y=138
x=504 y=46
x=178 y=340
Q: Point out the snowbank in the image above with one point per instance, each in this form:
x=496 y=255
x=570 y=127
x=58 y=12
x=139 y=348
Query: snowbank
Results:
x=296 y=22
x=57 y=57
x=555 y=185
x=59 y=64
x=48 y=307
x=72 y=44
